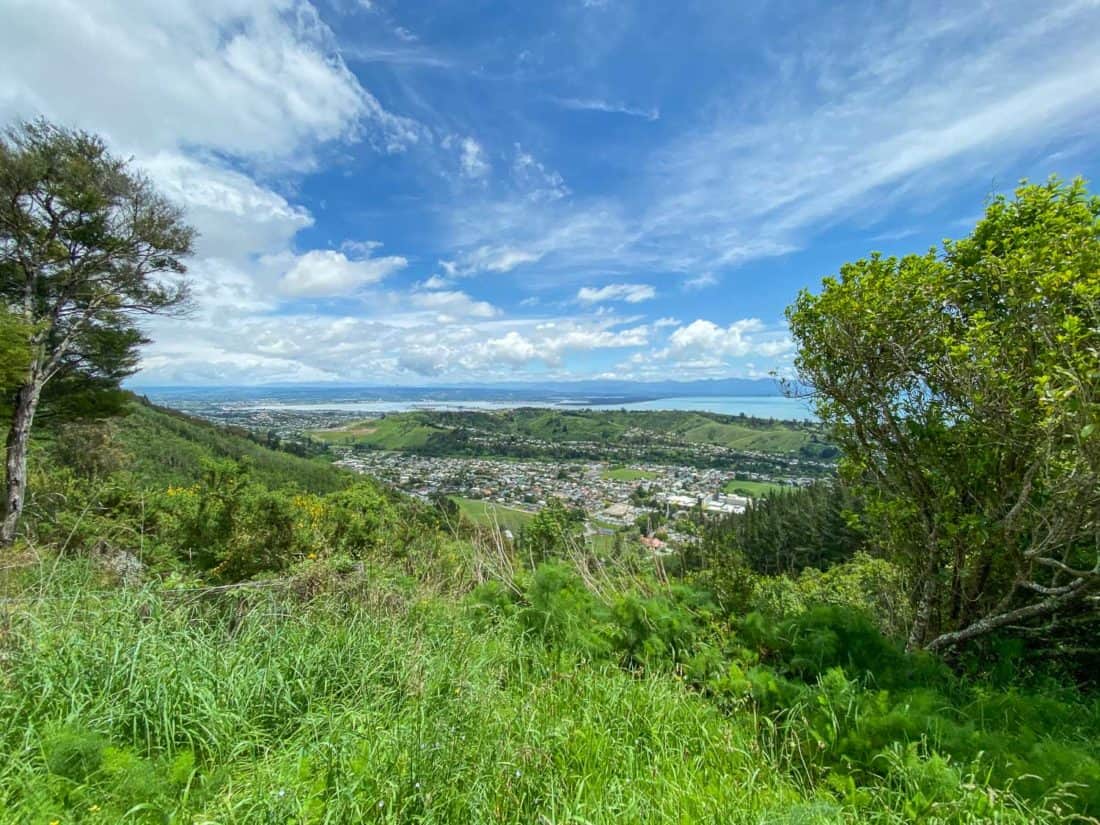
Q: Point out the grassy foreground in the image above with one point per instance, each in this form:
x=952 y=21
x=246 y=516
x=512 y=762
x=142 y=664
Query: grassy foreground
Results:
x=139 y=707
x=375 y=704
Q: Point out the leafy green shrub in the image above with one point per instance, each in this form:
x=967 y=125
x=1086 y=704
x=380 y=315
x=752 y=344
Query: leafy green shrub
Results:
x=865 y=583
x=563 y=612
x=229 y=525
x=826 y=637
x=494 y=600
x=361 y=521
x=660 y=630
x=823 y=638
x=552 y=533
x=129 y=779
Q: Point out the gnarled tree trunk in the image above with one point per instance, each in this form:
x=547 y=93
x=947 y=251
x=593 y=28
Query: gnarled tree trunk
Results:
x=15 y=486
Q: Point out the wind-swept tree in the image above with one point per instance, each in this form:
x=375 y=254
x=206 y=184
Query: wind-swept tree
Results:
x=964 y=390
x=87 y=246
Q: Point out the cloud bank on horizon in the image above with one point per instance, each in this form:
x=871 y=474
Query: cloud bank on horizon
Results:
x=417 y=192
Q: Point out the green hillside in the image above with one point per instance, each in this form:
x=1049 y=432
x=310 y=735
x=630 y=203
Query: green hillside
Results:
x=777 y=439
x=401 y=431
x=448 y=432
x=166 y=447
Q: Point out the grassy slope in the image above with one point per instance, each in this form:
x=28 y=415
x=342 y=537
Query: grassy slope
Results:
x=394 y=432
x=385 y=709
x=168 y=448
x=779 y=439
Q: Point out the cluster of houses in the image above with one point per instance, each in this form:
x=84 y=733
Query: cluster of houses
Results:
x=606 y=496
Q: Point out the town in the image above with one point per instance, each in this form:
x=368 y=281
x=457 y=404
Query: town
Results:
x=612 y=496
x=641 y=475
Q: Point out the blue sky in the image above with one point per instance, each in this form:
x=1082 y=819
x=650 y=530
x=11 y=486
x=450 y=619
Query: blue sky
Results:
x=433 y=192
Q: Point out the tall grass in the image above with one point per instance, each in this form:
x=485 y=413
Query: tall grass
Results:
x=373 y=705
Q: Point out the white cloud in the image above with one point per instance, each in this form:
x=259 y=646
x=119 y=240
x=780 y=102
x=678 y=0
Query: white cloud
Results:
x=597 y=105
x=327 y=273
x=538 y=182
x=235 y=216
x=703 y=339
x=473 y=161
x=360 y=249
x=452 y=304
x=436 y=282
x=630 y=293
x=550 y=343
x=403 y=340
x=497 y=259
x=700 y=281
x=248 y=78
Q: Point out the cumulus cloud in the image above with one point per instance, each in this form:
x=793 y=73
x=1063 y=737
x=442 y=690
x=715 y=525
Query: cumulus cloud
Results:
x=327 y=273
x=451 y=304
x=235 y=215
x=253 y=79
x=550 y=342
x=436 y=282
x=629 y=293
x=706 y=339
x=409 y=338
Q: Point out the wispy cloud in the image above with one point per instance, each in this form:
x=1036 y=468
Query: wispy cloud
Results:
x=395 y=55
x=472 y=159
x=700 y=281
x=878 y=114
x=628 y=293
x=596 y=105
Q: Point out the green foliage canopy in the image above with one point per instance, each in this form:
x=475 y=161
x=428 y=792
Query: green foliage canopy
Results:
x=964 y=390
